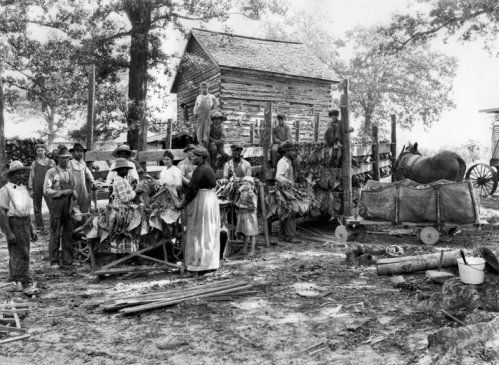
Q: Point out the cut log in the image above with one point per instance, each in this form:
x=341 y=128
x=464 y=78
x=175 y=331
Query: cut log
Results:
x=448 y=340
x=438 y=276
x=408 y=264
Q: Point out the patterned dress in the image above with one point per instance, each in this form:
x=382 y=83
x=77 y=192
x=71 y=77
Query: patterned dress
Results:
x=123 y=195
x=247 y=221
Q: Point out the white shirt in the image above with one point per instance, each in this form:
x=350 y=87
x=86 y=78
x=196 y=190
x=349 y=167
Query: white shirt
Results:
x=284 y=171
x=16 y=199
x=171 y=177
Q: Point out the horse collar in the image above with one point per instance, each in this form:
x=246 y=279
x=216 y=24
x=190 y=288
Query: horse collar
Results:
x=406 y=170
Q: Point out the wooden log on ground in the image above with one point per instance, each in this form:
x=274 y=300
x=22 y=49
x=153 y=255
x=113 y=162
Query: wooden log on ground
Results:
x=408 y=264
x=12 y=339
x=6 y=329
x=449 y=340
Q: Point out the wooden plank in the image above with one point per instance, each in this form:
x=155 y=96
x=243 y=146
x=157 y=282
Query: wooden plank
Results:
x=129 y=270
x=252 y=133
x=317 y=120
x=361 y=150
x=385 y=148
x=169 y=126
x=6 y=329
x=347 y=155
x=12 y=339
x=375 y=146
x=144 y=156
x=297 y=131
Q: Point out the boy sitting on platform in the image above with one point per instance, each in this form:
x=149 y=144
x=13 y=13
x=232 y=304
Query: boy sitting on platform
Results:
x=247 y=222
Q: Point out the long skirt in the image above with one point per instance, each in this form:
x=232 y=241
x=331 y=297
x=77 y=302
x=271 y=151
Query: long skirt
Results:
x=202 y=239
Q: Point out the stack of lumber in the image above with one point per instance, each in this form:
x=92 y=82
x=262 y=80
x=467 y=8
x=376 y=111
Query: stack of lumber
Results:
x=10 y=324
x=217 y=291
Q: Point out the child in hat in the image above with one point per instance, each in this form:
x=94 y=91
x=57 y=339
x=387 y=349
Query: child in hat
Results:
x=247 y=222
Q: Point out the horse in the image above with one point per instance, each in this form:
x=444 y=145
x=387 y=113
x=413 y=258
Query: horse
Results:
x=412 y=165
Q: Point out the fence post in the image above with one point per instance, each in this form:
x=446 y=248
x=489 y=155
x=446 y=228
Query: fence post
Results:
x=376 y=164
x=347 y=153
x=265 y=139
x=394 y=142
x=168 y=142
x=316 y=126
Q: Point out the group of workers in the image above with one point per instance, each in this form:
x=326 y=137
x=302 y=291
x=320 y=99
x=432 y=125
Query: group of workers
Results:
x=64 y=184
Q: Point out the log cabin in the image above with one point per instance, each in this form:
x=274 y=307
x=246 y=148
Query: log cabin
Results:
x=245 y=72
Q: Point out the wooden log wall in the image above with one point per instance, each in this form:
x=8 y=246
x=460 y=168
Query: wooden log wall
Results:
x=244 y=93
x=191 y=76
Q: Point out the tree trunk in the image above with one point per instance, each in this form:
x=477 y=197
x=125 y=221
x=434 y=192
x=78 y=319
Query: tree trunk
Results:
x=367 y=123
x=139 y=14
x=408 y=264
x=3 y=159
x=50 y=119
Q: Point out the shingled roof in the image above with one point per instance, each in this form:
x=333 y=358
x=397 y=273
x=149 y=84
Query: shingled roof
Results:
x=288 y=58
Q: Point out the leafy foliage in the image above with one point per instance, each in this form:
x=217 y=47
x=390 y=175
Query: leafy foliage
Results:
x=467 y=19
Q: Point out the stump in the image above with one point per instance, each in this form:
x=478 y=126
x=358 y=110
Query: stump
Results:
x=457 y=296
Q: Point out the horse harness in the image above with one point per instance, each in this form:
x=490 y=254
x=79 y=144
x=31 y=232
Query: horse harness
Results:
x=406 y=170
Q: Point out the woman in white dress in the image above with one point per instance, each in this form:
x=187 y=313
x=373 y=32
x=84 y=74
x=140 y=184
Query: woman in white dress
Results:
x=171 y=176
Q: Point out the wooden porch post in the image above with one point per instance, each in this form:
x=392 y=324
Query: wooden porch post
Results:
x=376 y=164
x=168 y=144
x=265 y=139
x=316 y=127
x=394 y=142
x=347 y=153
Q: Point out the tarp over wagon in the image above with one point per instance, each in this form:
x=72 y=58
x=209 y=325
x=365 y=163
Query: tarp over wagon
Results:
x=407 y=201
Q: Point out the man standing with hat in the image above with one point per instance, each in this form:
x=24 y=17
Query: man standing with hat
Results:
x=125 y=152
x=334 y=136
x=15 y=209
x=39 y=168
x=237 y=166
x=217 y=138
x=280 y=133
x=285 y=176
x=205 y=103
x=81 y=174
x=60 y=186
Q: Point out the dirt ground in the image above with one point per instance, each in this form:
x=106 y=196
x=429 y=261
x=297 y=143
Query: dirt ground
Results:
x=364 y=320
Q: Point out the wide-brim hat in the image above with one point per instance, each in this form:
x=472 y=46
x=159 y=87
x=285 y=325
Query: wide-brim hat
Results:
x=63 y=152
x=218 y=114
x=333 y=112
x=189 y=147
x=281 y=115
x=287 y=146
x=78 y=146
x=123 y=148
x=236 y=146
x=120 y=163
x=14 y=166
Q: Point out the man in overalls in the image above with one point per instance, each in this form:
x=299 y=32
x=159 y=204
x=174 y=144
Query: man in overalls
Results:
x=280 y=133
x=285 y=175
x=60 y=186
x=81 y=174
x=15 y=209
x=39 y=168
x=205 y=103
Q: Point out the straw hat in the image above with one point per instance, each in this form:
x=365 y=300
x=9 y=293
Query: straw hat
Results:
x=122 y=162
x=123 y=148
x=14 y=166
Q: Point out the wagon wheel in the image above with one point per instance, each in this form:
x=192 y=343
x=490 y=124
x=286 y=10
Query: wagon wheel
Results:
x=82 y=250
x=344 y=233
x=482 y=177
x=429 y=235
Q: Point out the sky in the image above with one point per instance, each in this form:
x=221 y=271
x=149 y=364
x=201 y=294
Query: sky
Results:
x=476 y=86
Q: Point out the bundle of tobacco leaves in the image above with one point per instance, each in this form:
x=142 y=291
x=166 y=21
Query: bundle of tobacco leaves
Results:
x=228 y=189
x=136 y=220
x=285 y=199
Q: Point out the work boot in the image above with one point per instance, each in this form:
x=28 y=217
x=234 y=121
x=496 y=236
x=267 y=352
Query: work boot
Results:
x=292 y=240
